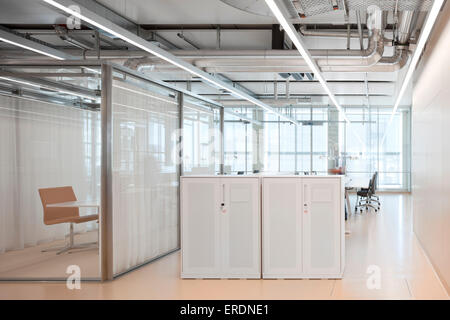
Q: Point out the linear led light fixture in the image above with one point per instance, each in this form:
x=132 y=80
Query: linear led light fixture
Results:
x=133 y=39
x=20 y=82
x=244 y=118
x=424 y=35
x=72 y=93
x=24 y=43
x=300 y=45
x=145 y=94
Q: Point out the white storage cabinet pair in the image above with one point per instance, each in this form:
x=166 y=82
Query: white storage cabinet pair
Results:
x=262 y=227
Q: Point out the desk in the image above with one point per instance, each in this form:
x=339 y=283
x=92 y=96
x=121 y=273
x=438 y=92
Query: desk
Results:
x=76 y=204
x=357 y=183
x=352 y=184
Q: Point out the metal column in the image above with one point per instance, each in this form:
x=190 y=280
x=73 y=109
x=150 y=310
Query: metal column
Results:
x=180 y=159
x=222 y=153
x=106 y=211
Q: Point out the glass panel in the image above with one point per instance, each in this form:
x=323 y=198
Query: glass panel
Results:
x=320 y=140
x=239 y=141
x=271 y=143
x=201 y=137
x=50 y=154
x=356 y=148
x=369 y=149
x=358 y=145
x=391 y=161
x=287 y=147
x=144 y=172
x=303 y=141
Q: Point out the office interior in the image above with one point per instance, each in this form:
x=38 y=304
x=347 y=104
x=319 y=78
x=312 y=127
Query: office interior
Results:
x=106 y=111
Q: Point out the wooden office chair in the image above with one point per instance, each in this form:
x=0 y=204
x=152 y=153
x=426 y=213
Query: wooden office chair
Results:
x=63 y=215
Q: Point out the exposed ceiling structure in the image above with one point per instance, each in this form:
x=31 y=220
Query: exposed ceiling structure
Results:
x=362 y=48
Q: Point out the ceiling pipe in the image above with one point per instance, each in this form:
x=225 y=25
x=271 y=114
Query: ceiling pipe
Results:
x=304 y=31
x=332 y=57
x=385 y=64
x=233 y=58
x=288 y=60
x=289 y=65
x=407 y=22
x=63 y=34
x=210 y=58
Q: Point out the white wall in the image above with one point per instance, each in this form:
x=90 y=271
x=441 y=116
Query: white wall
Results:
x=431 y=148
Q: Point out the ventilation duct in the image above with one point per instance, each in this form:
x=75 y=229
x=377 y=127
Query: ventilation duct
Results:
x=273 y=58
x=289 y=62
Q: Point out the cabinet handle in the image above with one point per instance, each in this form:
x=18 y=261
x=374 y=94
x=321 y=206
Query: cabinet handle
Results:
x=223 y=192
x=305 y=204
x=222 y=205
x=222 y=208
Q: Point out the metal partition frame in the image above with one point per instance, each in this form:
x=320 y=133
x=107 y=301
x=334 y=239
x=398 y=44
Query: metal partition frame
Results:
x=106 y=217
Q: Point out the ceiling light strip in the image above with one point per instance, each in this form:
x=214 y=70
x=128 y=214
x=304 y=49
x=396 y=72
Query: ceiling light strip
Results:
x=423 y=38
x=27 y=44
x=301 y=47
x=56 y=90
x=133 y=39
x=244 y=118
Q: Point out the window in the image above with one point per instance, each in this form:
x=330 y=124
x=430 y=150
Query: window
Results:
x=323 y=141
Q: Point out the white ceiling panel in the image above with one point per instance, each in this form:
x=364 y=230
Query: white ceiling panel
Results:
x=183 y=12
x=29 y=12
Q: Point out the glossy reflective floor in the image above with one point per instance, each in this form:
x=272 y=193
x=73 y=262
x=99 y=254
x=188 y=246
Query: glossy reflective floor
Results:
x=32 y=263
x=381 y=242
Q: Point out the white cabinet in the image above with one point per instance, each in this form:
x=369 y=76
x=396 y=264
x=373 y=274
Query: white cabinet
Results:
x=220 y=227
x=323 y=219
x=303 y=227
x=200 y=226
x=282 y=232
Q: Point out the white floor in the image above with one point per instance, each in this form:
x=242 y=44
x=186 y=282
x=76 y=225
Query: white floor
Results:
x=383 y=241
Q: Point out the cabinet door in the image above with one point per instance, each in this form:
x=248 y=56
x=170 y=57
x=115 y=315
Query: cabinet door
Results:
x=321 y=226
x=200 y=232
x=241 y=227
x=282 y=227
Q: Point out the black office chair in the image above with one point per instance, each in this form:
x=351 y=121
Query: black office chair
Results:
x=366 y=196
x=373 y=197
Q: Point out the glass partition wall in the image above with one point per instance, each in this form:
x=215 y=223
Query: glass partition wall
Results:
x=201 y=137
x=90 y=165
x=144 y=172
x=50 y=142
x=157 y=134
